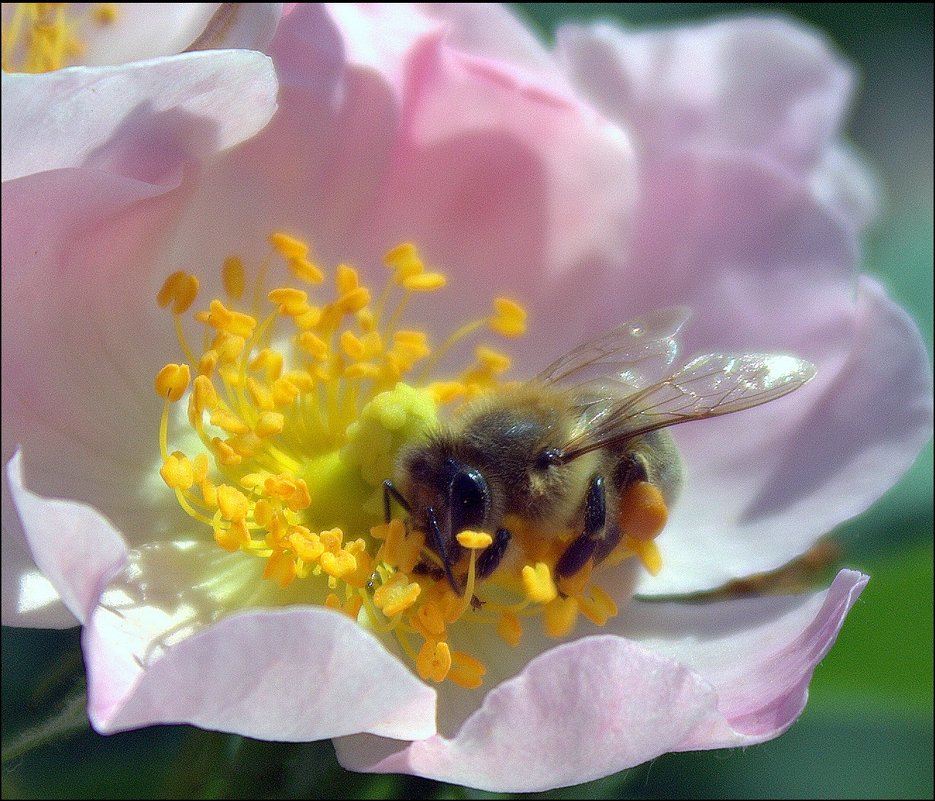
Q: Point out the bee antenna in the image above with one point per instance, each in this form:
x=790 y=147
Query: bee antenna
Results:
x=550 y=457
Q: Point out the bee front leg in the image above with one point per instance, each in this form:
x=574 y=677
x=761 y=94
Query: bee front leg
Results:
x=595 y=517
x=490 y=559
x=390 y=492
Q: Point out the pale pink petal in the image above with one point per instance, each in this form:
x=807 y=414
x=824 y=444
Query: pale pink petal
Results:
x=480 y=166
x=578 y=712
x=757 y=653
x=76 y=549
x=754 y=83
x=135 y=118
x=493 y=31
x=733 y=673
x=843 y=181
x=764 y=485
x=294 y=674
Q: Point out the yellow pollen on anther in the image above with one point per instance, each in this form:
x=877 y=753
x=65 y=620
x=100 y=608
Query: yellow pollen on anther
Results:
x=434 y=661
x=538 y=584
x=232 y=274
x=304 y=396
x=475 y=540
x=172 y=381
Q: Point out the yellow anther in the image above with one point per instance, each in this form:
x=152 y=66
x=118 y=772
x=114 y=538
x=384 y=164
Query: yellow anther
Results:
x=223 y=319
x=599 y=608
x=491 y=360
x=228 y=346
x=292 y=302
x=284 y=392
x=352 y=346
x=430 y=620
x=332 y=539
x=362 y=370
x=339 y=565
x=509 y=318
x=281 y=569
x=306 y=270
x=233 y=277
x=270 y=423
x=200 y=468
x=307 y=546
x=424 y=282
x=475 y=540
x=643 y=512
x=314 y=345
x=232 y=537
x=354 y=300
x=261 y=396
x=172 y=381
x=292 y=491
x=559 y=616
x=207 y=363
x=346 y=279
x=404 y=260
x=224 y=453
x=232 y=502
x=466 y=671
x=575 y=583
x=433 y=661
x=446 y=391
x=647 y=552
x=309 y=319
x=510 y=629
x=538 y=584
x=269 y=362
x=228 y=421
x=177 y=471
x=204 y=396
x=396 y=596
x=106 y=13
x=180 y=289
x=288 y=246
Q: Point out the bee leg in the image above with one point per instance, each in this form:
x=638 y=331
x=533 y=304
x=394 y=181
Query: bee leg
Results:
x=583 y=548
x=632 y=468
x=390 y=492
x=443 y=551
x=490 y=559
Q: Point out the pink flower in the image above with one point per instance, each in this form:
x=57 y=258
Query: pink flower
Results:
x=621 y=173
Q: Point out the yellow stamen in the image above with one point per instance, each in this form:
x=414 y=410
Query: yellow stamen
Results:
x=538 y=584
x=298 y=411
x=434 y=661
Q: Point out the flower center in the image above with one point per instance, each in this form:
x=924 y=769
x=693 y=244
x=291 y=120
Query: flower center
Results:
x=42 y=37
x=300 y=408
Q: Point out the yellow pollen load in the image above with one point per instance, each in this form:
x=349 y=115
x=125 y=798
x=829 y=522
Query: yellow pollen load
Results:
x=299 y=399
x=43 y=37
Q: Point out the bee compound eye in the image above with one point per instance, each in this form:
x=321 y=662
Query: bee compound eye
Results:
x=469 y=498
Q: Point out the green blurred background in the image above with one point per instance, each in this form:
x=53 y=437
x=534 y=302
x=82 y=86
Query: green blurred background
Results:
x=867 y=730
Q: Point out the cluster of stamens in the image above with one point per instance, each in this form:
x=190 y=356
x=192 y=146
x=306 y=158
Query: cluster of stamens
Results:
x=42 y=37
x=297 y=430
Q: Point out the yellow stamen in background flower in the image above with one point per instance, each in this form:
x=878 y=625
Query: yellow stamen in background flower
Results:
x=297 y=412
x=42 y=37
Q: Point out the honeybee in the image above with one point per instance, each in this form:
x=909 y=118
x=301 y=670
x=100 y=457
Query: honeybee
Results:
x=558 y=451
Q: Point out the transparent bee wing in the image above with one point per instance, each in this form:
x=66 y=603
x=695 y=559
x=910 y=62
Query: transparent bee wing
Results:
x=708 y=386
x=635 y=353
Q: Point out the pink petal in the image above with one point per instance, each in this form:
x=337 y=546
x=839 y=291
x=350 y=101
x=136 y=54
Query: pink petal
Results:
x=752 y=83
x=709 y=676
x=757 y=653
x=75 y=548
x=293 y=674
x=577 y=712
x=764 y=485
